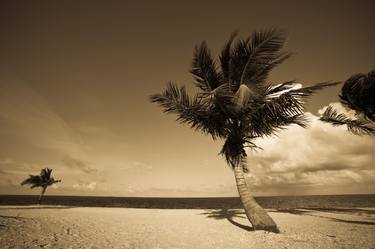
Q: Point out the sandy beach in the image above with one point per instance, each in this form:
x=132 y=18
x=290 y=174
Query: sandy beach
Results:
x=83 y=227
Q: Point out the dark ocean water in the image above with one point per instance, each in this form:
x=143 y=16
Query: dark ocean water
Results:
x=275 y=202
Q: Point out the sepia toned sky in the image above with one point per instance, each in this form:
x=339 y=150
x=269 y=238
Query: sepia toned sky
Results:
x=75 y=77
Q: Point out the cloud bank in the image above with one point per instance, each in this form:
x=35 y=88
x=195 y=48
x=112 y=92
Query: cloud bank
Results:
x=321 y=159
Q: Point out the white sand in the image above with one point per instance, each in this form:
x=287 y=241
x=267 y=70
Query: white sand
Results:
x=64 y=227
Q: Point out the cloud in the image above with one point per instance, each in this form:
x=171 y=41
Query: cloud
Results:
x=12 y=167
x=307 y=159
x=141 y=166
x=74 y=163
x=85 y=186
x=7 y=161
x=55 y=186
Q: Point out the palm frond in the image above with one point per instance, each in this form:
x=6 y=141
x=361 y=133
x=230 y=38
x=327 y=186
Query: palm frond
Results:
x=267 y=123
x=30 y=179
x=33 y=181
x=263 y=54
x=233 y=149
x=280 y=88
x=273 y=115
x=222 y=95
x=45 y=174
x=204 y=69
x=355 y=126
x=310 y=90
x=191 y=111
x=173 y=99
x=283 y=110
x=358 y=94
x=225 y=57
x=237 y=63
x=260 y=69
x=350 y=91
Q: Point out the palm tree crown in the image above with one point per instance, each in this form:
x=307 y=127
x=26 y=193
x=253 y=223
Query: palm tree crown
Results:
x=358 y=94
x=43 y=180
x=235 y=102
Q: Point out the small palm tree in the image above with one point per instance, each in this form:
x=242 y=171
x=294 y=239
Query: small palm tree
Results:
x=235 y=103
x=41 y=181
x=358 y=94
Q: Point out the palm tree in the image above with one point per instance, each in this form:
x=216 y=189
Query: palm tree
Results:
x=358 y=94
x=41 y=181
x=235 y=103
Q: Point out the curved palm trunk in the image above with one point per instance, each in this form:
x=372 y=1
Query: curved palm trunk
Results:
x=257 y=216
x=41 y=195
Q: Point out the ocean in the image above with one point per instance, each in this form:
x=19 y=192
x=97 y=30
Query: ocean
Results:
x=272 y=202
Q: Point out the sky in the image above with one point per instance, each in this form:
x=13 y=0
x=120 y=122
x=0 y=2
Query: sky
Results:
x=75 y=77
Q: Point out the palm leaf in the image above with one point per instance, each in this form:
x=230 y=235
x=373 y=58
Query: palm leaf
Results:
x=274 y=116
x=310 y=90
x=262 y=54
x=280 y=88
x=250 y=60
x=204 y=69
x=191 y=111
x=233 y=149
x=258 y=70
x=358 y=94
x=225 y=57
x=355 y=126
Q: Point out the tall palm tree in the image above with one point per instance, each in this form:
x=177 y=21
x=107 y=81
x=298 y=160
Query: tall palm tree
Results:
x=41 y=181
x=358 y=94
x=235 y=103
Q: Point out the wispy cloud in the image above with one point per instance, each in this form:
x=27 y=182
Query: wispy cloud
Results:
x=31 y=115
x=77 y=164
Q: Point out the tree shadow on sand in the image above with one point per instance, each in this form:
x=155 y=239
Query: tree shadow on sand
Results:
x=229 y=215
x=312 y=213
